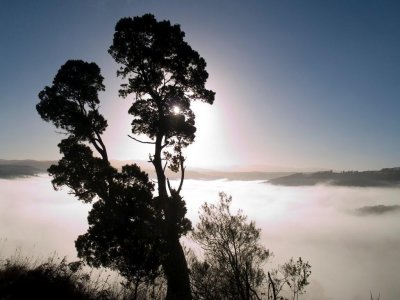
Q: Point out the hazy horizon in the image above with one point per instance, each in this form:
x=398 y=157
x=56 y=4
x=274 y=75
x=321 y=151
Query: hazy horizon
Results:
x=231 y=168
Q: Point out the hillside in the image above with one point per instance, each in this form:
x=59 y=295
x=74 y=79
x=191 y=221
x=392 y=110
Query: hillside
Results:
x=382 y=178
x=15 y=171
x=24 y=168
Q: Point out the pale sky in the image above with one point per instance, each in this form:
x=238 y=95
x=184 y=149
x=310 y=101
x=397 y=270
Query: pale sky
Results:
x=299 y=84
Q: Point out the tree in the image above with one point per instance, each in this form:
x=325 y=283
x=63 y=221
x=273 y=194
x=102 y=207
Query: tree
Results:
x=232 y=268
x=123 y=225
x=130 y=229
x=293 y=274
x=296 y=274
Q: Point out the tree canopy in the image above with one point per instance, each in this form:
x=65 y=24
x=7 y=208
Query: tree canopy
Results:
x=122 y=230
x=163 y=72
x=131 y=228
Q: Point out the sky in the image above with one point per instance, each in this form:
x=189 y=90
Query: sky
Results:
x=299 y=84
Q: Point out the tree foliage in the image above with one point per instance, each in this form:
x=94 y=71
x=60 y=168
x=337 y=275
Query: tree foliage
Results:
x=122 y=232
x=233 y=254
x=293 y=275
x=131 y=229
x=162 y=72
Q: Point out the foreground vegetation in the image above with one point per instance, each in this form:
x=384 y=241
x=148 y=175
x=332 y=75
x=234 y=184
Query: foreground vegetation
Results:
x=27 y=278
x=232 y=266
x=135 y=224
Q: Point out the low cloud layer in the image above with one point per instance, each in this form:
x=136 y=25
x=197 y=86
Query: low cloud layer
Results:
x=350 y=254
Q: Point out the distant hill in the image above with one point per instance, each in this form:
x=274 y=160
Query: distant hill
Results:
x=214 y=175
x=41 y=165
x=377 y=209
x=381 y=178
x=10 y=169
x=24 y=168
x=15 y=171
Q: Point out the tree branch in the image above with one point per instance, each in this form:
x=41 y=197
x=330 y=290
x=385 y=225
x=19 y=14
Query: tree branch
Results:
x=143 y=142
x=165 y=166
x=273 y=285
x=103 y=147
x=169 y=187
x=182 y=175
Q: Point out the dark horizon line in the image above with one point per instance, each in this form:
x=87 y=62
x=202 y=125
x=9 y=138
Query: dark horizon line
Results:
x=249 y=168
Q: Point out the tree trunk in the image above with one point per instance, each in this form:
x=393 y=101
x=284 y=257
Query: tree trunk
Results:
x=273 y=286
x=176 y=271
x=174 y=261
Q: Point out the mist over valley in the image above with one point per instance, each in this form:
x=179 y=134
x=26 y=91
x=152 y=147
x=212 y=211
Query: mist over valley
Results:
x=350 y=235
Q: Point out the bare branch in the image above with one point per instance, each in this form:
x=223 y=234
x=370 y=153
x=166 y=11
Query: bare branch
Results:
x=182 y=174
x=60 y=132
x=143 y=142
x=273 y=285
x=165 y=166
x=169 y=187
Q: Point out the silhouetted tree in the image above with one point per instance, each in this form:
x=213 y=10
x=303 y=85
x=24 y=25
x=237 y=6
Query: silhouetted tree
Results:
x=232 y=268
x=123 y=224
x=163 y=73
x=292 y=274
x=130 y=229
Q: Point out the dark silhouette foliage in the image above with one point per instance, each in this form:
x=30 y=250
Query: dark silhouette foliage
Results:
x=232 y=268
x=23 y=278
x=122 y=232
x=49 y=280
x=130 y=229
x=163 y=72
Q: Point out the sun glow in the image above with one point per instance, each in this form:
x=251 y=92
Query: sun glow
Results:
x=176 y=110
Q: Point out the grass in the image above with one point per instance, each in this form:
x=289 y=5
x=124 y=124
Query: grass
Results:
x=28 y=278
x=23 y=277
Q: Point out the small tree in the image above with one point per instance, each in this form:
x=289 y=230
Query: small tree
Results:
x=293 y=274
x=297 y=274
x=232 y=268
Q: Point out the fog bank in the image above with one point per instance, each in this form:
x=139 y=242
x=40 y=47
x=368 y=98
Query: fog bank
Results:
x=350 y=236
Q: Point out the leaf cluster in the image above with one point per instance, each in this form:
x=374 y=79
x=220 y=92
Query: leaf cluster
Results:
x=71 y=103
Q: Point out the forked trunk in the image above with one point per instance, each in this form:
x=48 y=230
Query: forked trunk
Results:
x=174 y=261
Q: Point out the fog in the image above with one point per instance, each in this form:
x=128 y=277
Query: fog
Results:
x=350 y=236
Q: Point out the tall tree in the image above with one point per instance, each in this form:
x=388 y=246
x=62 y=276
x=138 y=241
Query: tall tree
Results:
x=130 y=229
x=165 y=75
